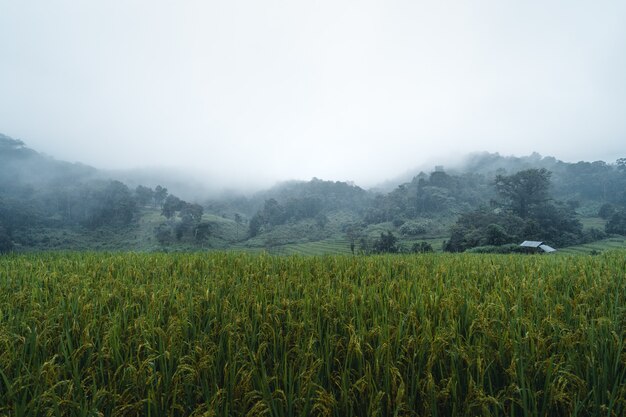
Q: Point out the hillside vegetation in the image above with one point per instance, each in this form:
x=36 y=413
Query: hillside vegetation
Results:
x=490 y=201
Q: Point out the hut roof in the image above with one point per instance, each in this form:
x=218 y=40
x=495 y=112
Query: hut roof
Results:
x=547 y=248
x=531 y=244
x=537 y=245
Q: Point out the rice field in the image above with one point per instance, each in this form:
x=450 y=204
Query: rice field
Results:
x=331 y=246
x=239 y=334
x=612 y=243
x=322 y=247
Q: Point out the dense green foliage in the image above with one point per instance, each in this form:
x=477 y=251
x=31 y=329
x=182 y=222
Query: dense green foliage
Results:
x=429 y=195
x=38 y=191
x=386 y=243
x=295 y=201
x=581 y=181
x=525 y=211
x=617 y=222
x=40 y=196
x=232 y=334
x=525 y=192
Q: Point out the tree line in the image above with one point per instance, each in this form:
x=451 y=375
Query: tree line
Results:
x=496 y=201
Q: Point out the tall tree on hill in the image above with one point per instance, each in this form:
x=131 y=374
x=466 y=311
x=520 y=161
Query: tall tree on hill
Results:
x=353 y=232
x=524 y=190
x=171 y=205
x=160 y=194
x=144 y=195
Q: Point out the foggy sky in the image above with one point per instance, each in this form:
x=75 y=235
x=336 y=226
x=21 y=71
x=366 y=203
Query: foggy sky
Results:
x=258 y=91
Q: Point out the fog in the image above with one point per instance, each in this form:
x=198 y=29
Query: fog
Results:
x=249 y=92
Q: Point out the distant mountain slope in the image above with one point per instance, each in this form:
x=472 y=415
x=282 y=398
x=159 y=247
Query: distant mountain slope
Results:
x=587 y=181
x=46 y=203
x=584 y=181
x=39 y=194
x=22 y=166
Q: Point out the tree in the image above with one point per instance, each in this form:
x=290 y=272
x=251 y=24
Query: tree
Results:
x=202 y=231
x=353 y=231
x=144 y=195
x=191 y=212
x=524 y=190
x=387 y=243
x=617 y=223
x=606 y=211
x=163 y=233
x=274 y=213
x=160 y=194
x=120 y=199
x=171 y=205
x=414 y=228
x=256 y=222
x=190 y=218
x=482 y=227
x=496 y=235
x=109 y=203
x=529 y=216
x=558 y=224
x=321 y=220
x=364 y=245
x=15 y=214
x=422 y=247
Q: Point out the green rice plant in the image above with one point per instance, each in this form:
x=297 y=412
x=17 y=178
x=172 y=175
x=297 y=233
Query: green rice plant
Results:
x=89 y=334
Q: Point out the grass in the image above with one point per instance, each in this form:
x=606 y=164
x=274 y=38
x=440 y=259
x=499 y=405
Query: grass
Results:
x=337 y=244
x=593 y=222
x=86 y=334
x=613 y=243
x=322 y=247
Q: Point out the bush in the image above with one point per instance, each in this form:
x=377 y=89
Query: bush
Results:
x=606 y=211
x=496 y=235
x=421 y=247
x=593 y=234
x=163 y=233
x=387 y=243
x=397 y=222
x=413 y=228
x=617 y=223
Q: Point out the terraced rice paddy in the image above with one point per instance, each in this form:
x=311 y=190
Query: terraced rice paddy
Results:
x=237 y=334
x=331 y=246
x=322 y=247
x=613 y=243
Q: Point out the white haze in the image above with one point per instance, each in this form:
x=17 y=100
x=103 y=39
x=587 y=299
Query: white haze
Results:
x=250 y=92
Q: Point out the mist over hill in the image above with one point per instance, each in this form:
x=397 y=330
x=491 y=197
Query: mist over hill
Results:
x=50 y=204
x=20 y=165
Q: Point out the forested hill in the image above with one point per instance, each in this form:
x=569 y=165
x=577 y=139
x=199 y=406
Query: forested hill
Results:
x=39 y=194
x=51 y=204
x=584 y=181
x=21 y=166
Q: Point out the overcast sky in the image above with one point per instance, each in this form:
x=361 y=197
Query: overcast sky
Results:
x=257 y=91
